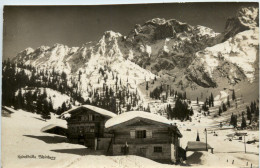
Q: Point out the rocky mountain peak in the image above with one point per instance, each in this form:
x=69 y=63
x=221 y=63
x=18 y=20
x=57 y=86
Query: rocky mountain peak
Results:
x=249 y=16
x=27 y=51
x=245 y=19
x=111 y=35
x=160 y=46
x=158 y=21
x=42 y=48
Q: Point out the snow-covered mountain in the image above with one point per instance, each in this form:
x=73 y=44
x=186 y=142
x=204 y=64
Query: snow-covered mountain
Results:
x=191 y=54
x=161 y=44
x=246 y=18
x=95 y=63
x=234 y=59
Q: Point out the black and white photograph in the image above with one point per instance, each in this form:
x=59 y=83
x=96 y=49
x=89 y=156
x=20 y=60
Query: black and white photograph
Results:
x=151 y=85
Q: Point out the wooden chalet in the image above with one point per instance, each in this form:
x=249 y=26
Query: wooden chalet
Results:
x=144 y=134
x=86 y=126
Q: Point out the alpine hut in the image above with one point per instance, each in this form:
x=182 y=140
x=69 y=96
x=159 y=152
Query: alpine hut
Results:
x=86 y=125
x=144 y=134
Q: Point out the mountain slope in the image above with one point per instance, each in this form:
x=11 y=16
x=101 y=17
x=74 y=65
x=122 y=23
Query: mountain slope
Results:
x=191 y=56
x=235 y=58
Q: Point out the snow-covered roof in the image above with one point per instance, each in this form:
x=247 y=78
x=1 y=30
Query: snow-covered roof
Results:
x=93 y=108
x=51 y=126
x=10 y=110
x=134 y=114
x=197 y=146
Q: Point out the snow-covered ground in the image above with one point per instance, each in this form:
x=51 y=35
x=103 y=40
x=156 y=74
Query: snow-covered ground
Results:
x=225 y=151
x=21 y=136
x=56 y=97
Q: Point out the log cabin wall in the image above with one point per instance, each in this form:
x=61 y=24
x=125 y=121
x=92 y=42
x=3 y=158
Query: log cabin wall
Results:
x=146 y=150
x=156 y=135
x=158 y=143
x=84 y=126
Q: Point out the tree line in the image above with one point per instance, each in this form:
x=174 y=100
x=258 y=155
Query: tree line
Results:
x=18 y=76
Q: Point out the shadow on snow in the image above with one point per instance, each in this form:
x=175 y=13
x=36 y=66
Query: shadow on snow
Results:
x=49 y=139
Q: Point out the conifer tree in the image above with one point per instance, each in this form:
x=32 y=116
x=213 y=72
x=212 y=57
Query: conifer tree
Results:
x=191 y=112
x=233 y=120
x=248 y=113
x=257 y=112
x=184 y=96
x=20 y=100
x=45 y=113
x=148 y=108
x=88 y=101
x=224 y=107
x=219 y=111
x=233 y=95
x=212 y=100
x=63 y=107
x=198 y=137
x=252 y=107
x=228 y=102
x=51 y=106
x=147 y=87
x=243 y=124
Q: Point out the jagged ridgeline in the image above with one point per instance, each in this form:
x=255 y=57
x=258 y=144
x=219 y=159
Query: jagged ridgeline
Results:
x=111 y=71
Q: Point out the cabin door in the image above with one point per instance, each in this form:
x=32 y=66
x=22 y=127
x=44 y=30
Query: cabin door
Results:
x=143 y=152
x=90 y=143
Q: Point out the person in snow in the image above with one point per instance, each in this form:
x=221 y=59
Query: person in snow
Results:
x=126 y=151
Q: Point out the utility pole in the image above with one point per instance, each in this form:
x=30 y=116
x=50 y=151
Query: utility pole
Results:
x=206 y=139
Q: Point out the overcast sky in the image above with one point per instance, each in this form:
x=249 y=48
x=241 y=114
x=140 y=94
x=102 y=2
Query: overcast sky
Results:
x=33 y=26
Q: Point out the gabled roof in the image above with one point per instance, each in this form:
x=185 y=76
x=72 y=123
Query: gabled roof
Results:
x=121 y=119
x=197 y=146
x=93 y=108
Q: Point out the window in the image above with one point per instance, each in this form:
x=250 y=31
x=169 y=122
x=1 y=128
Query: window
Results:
x=149 y=134
x=96 y=118
x=84 y=118
x=87 y=128
x=141 y=134
x=132 y=134
x=82 y=129
x=90 y=117
x=92 y=129
x=157 y=149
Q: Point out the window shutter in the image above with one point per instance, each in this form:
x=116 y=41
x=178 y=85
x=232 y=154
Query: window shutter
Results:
x=132 y=133
x=149 y=134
